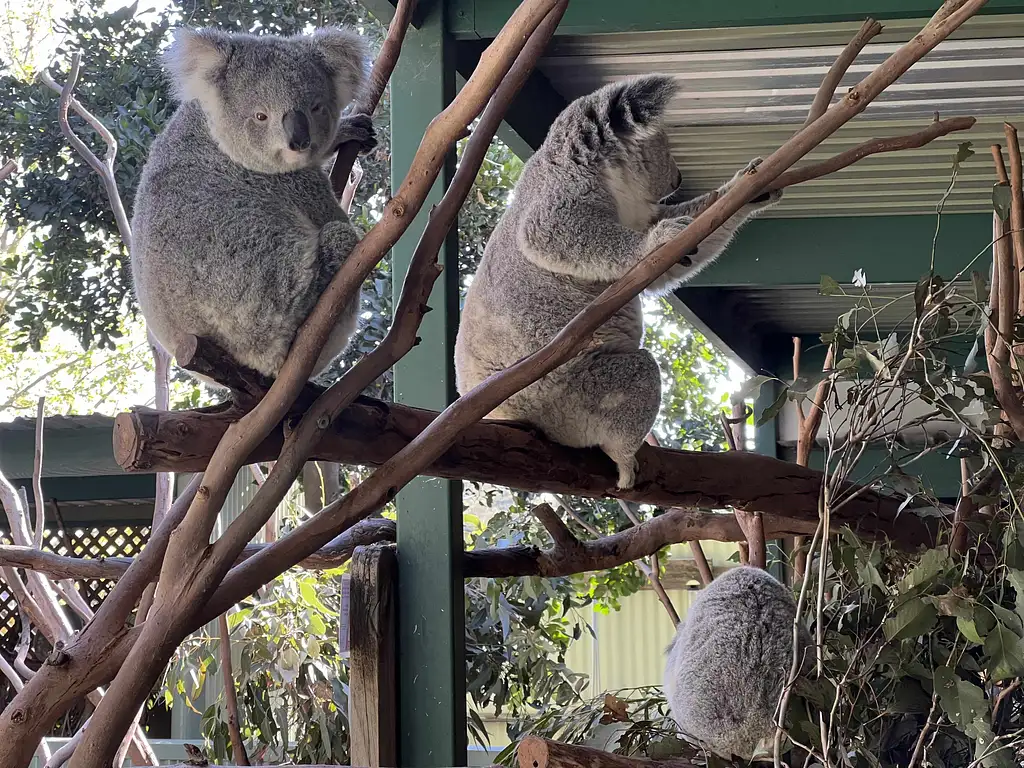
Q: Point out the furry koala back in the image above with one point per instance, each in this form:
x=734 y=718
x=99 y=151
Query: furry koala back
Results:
x=729 y=661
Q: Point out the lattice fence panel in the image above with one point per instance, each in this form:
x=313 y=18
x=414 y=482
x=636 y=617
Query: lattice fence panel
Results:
x=80 y=541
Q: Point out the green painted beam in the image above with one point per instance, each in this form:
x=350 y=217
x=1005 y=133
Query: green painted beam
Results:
x=710 y=312
x=484 y=18
x=890 y=249
x=94 y=488
x=941 y=474
x=532 y=111
x=432 y=671
x=67 y=452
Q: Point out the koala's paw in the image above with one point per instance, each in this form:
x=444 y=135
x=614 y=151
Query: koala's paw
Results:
x=665 y=230
x=358 y=129
x=764 y=200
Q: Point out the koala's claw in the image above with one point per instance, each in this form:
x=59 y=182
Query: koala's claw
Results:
x=358 y=129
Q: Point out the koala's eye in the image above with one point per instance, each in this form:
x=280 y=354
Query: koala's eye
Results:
x=317 y=109
x=261 y=116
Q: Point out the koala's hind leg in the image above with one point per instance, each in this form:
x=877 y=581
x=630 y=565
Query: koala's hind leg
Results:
x=336 y=241
x=612 y=400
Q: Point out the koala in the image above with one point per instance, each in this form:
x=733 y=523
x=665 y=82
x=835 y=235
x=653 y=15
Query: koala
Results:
x=729 y=661
x=236 y=231
x=600 y=194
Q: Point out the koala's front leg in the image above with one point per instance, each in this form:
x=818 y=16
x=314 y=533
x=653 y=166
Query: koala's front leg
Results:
x=677 y=217
x=357 y=129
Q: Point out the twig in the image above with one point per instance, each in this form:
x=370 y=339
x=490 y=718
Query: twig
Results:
x=965 y=509
x=238 y=752
x=919 y=745
x=652 y=569
x=105 y=167
x=341 y=172
x=997 y=158
x=8 y=169
x=1003 y=694
x=868 y=30
x=37 y=476
x=872 y=147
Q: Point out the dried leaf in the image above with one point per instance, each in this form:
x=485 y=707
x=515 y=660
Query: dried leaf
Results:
x=1001 y=196
x=829 y=287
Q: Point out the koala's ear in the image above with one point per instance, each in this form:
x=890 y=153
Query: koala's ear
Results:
x=637 y=106
x=345 y=53
x=193 y=59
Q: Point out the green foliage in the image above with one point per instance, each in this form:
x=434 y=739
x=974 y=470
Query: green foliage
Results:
x=292 y=684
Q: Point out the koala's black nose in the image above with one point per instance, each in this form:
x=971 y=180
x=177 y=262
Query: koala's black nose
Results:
x=296 y=128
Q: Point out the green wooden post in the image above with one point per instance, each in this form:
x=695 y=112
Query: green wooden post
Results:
x=431 y=635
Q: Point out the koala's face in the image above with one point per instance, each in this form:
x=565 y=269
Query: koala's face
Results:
x=272 y=103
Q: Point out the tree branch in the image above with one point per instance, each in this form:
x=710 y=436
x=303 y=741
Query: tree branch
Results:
x=383 y=67
x=371 y=432
x=230 y=697
x=1003 y=286
x=823 y=98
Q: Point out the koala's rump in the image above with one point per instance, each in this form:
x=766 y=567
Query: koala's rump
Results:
x=728 y=664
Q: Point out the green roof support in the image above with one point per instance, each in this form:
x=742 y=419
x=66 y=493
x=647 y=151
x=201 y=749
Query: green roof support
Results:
x=483 y=18
x=431 y=613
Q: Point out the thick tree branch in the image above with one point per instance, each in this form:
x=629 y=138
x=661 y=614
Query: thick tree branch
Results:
x=371 y=432
x=383 y=66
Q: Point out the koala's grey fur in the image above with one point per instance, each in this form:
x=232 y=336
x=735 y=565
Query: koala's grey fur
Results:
x=236 y=230
x=597 y=196
x=729 y=661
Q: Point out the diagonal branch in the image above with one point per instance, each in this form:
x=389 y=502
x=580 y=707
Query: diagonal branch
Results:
x=823 y=98
x=383 y=67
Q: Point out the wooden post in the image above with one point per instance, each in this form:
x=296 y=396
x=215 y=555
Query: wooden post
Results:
x=373 y=688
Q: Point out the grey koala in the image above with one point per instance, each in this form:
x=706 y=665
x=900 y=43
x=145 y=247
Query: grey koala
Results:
x=730 y=659
x=236 y=230
x=600 y=194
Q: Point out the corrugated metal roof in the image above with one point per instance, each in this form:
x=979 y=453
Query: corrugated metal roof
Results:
x=746 y=90
x=801 y=309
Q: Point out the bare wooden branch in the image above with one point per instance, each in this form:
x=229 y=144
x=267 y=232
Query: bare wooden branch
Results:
x=823 y=98
x=872 y=147
x=383 y=67
x=371 y=432
x=8 y=169
x=37 y=476
x=997 y=157
x=703 y=566
x=1003 y=286
x=105 y=167
x=334 y=555
x=230 y=695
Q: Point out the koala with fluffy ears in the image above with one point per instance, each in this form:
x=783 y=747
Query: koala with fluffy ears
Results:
x=729 y=661
x=237 y=232
x=600 y=194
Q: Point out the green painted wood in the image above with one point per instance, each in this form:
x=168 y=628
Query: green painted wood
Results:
x=484 y=18
x=939 y=473
x=532 y=111
x=93 y=488
x=432 y=692
x=68 y=452
x=890 y=249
